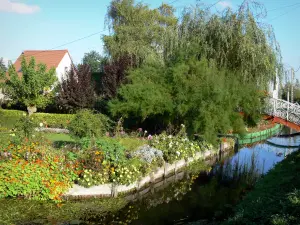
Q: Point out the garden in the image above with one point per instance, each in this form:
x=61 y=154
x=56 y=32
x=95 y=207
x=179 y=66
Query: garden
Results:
x=119 y=117
x=41 y=166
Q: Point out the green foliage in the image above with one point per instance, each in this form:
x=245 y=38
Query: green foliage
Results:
x=113 y=151
x=199 y=70
x=177 y=147
x=92 y=178
x=106 y=161
x=194 y=92
x=131 y=144
x=53 y=120
x=8 y=119
x=268 y=203
x=88 y=124
x=3 y=68
x=31 y=89
x=138 y=31
x=127 y=173
x=26 y=125
x=94 y=60
x=33 y=171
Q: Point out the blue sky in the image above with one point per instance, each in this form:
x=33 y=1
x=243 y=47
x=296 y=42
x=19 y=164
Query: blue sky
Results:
x=44 y=24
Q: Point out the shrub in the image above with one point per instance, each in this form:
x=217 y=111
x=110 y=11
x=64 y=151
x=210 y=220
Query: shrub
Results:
x=176 y=147
x=52 y=120
x=91 y=177
x=127 y=173
x=8 y=119
x=26 y=126
x=88 y=124
x=106 y=161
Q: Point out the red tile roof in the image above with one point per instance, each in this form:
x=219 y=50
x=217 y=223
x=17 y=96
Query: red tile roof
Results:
x=51 y=58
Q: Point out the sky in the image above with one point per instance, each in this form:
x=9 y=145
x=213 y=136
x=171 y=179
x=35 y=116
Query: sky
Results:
x=44 y=25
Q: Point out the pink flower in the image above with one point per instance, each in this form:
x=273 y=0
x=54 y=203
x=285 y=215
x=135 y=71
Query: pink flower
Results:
x=150 y=137
x=140 y=129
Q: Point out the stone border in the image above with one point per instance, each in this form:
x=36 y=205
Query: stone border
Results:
x=53 y=130
x=112 y=190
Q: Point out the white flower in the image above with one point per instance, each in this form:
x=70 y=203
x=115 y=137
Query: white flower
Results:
x=178 y=153
x=146 y=132
x=170 y=136
x=41 y=124
x=182 y=125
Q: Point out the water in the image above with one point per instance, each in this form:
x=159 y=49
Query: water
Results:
x=204 y=196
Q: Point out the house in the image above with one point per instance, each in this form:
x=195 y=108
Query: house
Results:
x=59 y=59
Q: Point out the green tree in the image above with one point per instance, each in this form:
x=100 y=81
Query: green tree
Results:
x=211 y=67
x=138 y=32
x=94 y=60
x=2 y=65
x=32 y=87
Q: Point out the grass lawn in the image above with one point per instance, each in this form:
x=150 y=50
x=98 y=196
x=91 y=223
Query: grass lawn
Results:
x=58 y=137
x=275 y=199
x=54 y=138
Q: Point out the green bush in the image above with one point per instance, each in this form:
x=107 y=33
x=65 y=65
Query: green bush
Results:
x=88 y=124
x=105 y=161
x=176 y=147
x=26 y=126
x=54 y=120
x=8 y=119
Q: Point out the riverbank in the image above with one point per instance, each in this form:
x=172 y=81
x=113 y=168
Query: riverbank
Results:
x=261 y=135
x=275 y=198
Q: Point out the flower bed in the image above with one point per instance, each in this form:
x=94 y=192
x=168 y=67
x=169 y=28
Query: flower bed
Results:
x=99 y=167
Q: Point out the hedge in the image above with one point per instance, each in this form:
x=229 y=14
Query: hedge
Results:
x=8 y=118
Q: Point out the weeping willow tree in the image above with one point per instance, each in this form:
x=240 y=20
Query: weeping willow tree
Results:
x=137 y=31
x=204 y=67
x=235 y=40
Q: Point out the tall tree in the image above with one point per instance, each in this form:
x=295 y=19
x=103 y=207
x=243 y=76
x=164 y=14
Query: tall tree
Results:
x=77 y=90
x=94 y=60
x=138 y=32
x=2 y=65
x=32 y=87
x=114 y=76
x=212 y=66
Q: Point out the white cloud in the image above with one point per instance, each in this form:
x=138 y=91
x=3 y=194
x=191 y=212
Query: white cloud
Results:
x=225 y=4
x=17 y=7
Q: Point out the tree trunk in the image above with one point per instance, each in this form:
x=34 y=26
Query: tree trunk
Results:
x=31 y=109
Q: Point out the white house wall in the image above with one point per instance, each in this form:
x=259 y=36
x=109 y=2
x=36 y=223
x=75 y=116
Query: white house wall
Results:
x=63 y=66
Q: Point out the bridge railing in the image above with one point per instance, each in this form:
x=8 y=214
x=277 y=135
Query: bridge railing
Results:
x=283 y=109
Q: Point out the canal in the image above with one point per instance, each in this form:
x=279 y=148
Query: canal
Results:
x=206 y=194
